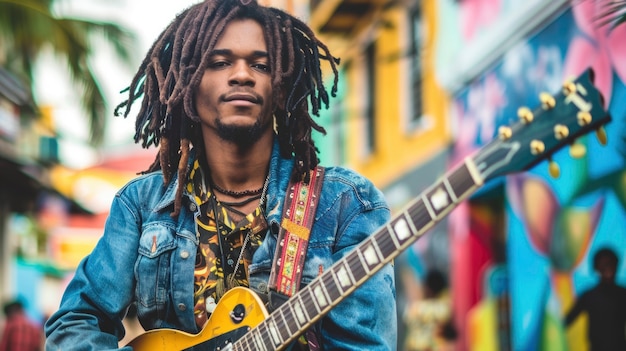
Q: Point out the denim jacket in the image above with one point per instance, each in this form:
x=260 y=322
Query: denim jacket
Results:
x=146 y=256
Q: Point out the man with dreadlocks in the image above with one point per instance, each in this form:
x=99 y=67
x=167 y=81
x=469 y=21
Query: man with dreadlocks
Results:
x=227 y=92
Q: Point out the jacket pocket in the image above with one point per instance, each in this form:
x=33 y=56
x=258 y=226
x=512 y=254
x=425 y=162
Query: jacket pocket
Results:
x=152 y=271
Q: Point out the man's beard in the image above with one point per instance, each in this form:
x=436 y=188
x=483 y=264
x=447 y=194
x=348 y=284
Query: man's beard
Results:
x=241 y=135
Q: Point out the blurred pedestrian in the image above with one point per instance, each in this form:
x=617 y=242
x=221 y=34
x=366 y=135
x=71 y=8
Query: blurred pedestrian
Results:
x=605 y=305
x=429 y=320
x=20 y=333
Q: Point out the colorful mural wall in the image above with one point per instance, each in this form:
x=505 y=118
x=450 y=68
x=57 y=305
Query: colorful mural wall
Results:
x=554 y=226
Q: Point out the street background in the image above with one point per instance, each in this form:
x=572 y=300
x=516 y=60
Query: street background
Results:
x=423 y=84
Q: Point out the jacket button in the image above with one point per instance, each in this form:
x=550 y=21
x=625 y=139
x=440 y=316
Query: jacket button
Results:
x=184 y=254
x=262 y=287
x=182 y=307
x=192 y=207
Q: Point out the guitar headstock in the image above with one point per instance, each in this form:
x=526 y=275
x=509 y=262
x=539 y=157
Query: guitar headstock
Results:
x=576 y=110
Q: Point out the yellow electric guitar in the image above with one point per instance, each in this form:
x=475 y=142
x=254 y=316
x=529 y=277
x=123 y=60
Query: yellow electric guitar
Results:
x=240 y=320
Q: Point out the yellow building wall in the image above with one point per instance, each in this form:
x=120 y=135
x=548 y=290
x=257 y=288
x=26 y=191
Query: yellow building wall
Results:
x=399 y=148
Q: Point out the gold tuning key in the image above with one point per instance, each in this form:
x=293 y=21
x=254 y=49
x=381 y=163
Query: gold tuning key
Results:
x=537 y=147
x=525 y=115
x=547 y=101
x=560 y=132
x=553 y=169
x=577 y=150
x=505 y=133
x=569 y=88
x=584 y=118
x=601 y=135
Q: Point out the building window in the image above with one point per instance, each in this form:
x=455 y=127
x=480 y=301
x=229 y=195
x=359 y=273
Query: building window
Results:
x=370 y=98
x=416 y=44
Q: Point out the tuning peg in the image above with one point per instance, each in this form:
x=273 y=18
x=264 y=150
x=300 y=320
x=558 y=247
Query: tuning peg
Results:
x=560 y=131
x=553 y=169
x=601 y=135
x=537 y=147
x=577 y=150
x=505 y=133
x=569 y=87
x=547 y=101
x=525 y=115
x=584 y=118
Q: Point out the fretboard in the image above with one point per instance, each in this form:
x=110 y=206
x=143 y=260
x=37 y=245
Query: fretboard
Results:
x=316 y=299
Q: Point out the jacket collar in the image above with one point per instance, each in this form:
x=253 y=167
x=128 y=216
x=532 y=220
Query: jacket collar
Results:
x=279 y=175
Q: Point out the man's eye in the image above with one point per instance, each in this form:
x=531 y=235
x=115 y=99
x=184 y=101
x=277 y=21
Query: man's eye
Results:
x=218 y=64
x=262 y=67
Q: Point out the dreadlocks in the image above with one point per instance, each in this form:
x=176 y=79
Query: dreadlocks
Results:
x=173 y=68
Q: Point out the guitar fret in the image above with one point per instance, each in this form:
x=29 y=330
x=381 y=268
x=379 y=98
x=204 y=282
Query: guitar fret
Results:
x=250 y=339
x=258 y=342
x=294 y=321
x=474 y=174
x=464 y=179
x=300 y=312
x=246 y=340
x=310 y=305
x=421 y=218
x=332 y=287
x=376 y=247
x=363 y=262
x=446 y=183
x=385 y=243
x=266 y=339
x=286 y=330
x=274 y=329
x=339 y=284
x=428 y=208
x=369 y=255
x=264 y=336
x=395 y=237
x=411 y=221
x=321 y=297
x=401 y=230
x=356 y=265
x=344 y=275
x=438 y=199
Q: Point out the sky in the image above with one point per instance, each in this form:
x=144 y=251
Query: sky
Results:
x=147 y=18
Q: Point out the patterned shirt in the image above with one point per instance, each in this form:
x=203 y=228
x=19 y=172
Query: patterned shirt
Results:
x=220 y=262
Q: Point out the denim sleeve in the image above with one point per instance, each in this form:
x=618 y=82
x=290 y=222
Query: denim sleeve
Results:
x=366 y=319
x=95 y=301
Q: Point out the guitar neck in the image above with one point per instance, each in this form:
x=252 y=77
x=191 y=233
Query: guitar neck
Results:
x=312 y=302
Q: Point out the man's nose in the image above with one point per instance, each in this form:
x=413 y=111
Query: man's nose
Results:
x=241 y=74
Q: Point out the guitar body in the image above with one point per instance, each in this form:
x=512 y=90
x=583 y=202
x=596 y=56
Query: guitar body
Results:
x=238 y=311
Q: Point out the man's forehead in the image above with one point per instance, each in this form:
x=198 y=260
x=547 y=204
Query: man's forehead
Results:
x=242 y=32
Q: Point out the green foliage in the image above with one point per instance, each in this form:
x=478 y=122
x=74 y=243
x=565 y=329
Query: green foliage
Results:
x=28 y=27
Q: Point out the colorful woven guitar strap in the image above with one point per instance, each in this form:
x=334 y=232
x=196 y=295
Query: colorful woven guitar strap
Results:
x=293 y=238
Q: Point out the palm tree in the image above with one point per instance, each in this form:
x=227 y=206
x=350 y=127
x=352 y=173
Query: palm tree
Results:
x=27 y=27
